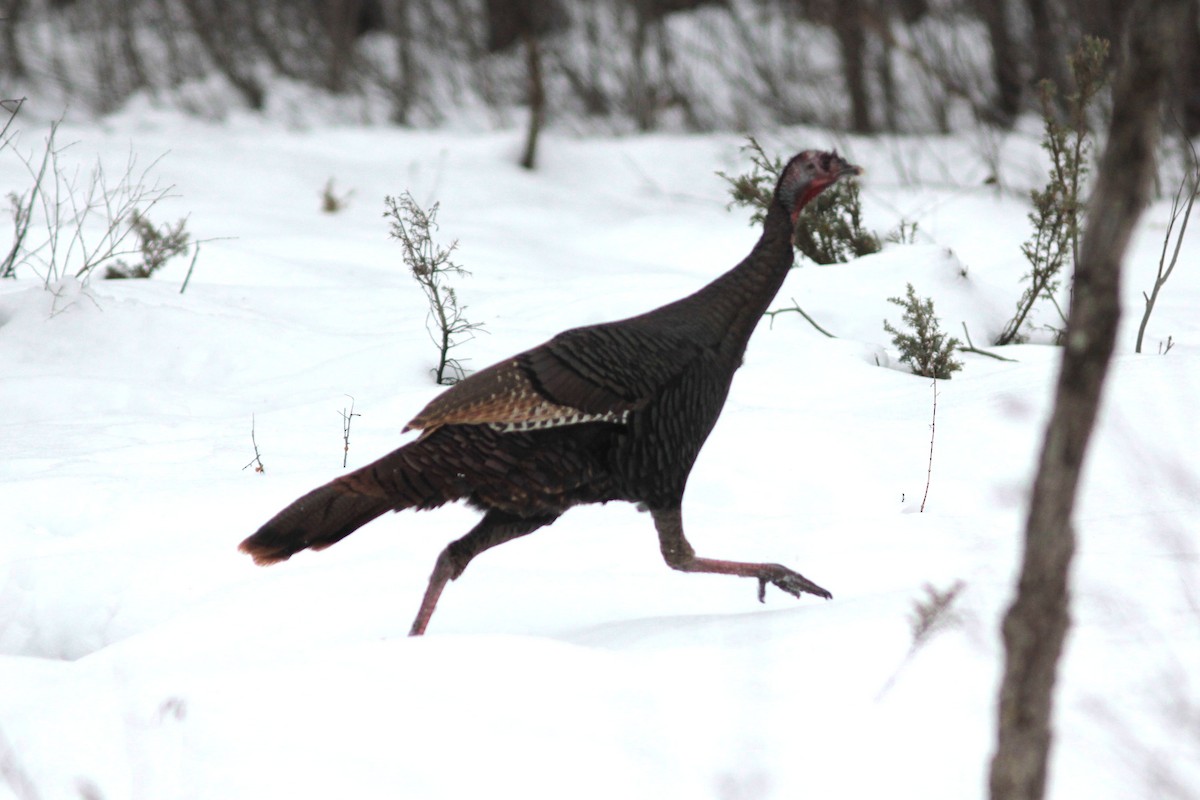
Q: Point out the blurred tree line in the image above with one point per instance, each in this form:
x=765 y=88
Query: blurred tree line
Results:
x=861 y=65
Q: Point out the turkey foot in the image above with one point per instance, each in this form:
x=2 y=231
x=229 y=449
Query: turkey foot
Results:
x=789 y=581
x=678 y=554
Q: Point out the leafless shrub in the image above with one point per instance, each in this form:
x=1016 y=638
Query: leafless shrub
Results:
x=348 y=415
x=85 y=222
x=431 y=267
x=255 y=462
x=20 y=204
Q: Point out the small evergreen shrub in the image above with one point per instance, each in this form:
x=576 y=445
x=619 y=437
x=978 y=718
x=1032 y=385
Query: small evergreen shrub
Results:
x=829 y=230
x=86 y=221
x=1057 y=214
x=754 y=189
x=926 y=349
x=157 y=246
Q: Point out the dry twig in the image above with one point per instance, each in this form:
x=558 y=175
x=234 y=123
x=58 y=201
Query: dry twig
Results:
x=255 y=462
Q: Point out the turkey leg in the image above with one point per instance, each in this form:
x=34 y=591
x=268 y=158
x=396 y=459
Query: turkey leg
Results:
x=495 y=528
x=678 y=554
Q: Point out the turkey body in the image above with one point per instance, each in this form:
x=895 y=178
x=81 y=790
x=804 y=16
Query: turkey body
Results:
x=641 y=455
x=617 y=411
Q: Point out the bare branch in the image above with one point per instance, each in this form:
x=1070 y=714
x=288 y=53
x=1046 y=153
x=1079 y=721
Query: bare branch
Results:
x=347 y=416
x=255 y=462
x=796 y=307
x=932 y=431
x=971 y=348
x=1165 y=268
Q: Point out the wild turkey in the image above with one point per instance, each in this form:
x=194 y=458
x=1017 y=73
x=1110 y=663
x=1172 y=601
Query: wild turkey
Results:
x=616 y=411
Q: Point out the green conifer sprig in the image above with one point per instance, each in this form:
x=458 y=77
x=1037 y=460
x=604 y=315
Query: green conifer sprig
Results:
x=923 y=346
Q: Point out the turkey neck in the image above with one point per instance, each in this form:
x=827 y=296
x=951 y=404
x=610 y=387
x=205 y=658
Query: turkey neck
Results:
x=725 y=312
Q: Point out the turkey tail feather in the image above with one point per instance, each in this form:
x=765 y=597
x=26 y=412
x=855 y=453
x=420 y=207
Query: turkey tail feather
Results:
x=318 y=519
x=330 y=513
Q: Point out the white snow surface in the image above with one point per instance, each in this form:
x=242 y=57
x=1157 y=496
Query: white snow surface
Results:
x=145 y=657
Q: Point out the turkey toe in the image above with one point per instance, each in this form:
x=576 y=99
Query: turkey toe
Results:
x=789 y=581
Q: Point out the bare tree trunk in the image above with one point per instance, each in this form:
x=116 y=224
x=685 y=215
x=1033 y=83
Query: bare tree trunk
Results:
x=165 y=29
x=262 y=29
x=97 y=18
x=339 y=18
x=537 y=99
x=643 y=102
x=676 y=94
x=404 y=91
x=887 y=85
x=1187 y=89
x=1049 y=59
x=1006 y=104
x=586 y=79
x=1036 y=623
x=212 y=24
x=11 y=12
x=1100 y=18
x=127 y=25
x=851 y=34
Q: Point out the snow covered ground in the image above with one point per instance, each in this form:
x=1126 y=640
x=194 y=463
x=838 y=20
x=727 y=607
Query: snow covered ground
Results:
x=144 y=657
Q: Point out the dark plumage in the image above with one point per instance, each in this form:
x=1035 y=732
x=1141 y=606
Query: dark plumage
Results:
x=617 y=411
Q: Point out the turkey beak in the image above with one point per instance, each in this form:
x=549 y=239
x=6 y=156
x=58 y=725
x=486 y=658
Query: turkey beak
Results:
x=843 y=168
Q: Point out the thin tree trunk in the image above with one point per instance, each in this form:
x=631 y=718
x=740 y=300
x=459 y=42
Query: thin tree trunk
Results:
x=404 y=91
x=1006 y=104
x=587 y=81
x=643 y=104
x=537 y=100
x=1036 y=623
x=887 y=85
x=127 y=26
x=1049 y=60
x=1187 y=89
x=166 y=29
x=11 y=12
x=103 y=67
x=212 y=25
x=1100 y=18
x=338 y=18
x=263 y=31
x=852 y=41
